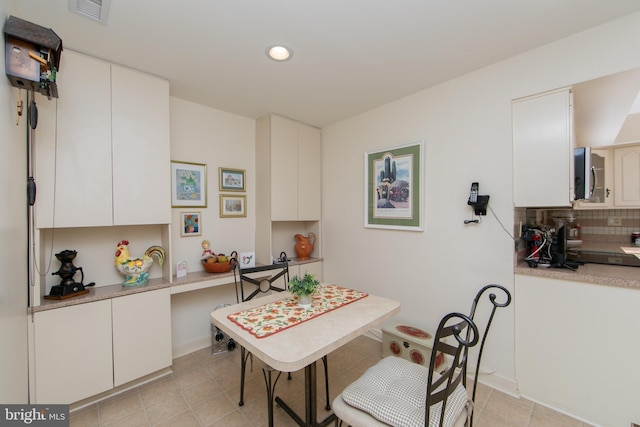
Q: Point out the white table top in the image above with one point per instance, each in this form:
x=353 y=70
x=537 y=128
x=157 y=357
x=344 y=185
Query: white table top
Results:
x=298 y=346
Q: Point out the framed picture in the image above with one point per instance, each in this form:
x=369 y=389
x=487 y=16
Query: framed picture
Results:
x=231 y=179
x=393 y=187
x=188 y=185
x=190 y=224
x=232 y=206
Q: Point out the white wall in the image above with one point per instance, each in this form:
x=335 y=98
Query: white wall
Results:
x=13 y=238
x=466 y=126
x=204 y=135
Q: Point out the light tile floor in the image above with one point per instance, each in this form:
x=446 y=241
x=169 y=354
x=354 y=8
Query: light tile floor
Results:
x=203 y=390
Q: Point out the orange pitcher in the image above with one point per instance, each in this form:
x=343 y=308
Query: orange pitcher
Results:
x=304 y=245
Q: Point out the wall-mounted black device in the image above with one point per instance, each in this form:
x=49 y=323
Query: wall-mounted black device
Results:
x=478 y=202
x=32 y=56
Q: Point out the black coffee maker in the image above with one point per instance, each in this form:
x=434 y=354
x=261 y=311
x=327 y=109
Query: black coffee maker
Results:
x=68 y=287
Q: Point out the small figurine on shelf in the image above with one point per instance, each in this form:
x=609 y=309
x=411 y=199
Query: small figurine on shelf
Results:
x=207 y=253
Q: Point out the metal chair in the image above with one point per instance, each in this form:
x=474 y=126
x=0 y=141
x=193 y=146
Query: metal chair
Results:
x=503 y=299
x=433 y=391
x=262 y=279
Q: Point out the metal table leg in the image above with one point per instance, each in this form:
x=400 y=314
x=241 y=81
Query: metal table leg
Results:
x=311 y=404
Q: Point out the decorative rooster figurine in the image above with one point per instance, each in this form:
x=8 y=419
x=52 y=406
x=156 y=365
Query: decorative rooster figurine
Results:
x=136 y=269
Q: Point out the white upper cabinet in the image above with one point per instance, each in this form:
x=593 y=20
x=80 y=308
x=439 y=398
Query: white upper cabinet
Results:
x=295 y=171
x=543 y=150
x=627 y=176
x=141 y=148
x=73 y=147
x=102 y=156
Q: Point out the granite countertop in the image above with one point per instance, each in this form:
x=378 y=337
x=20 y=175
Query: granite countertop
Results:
x=113 y=291
x=601 y=274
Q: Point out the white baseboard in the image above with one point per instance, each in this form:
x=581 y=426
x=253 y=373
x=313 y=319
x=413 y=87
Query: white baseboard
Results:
x=190 y=347
x=500 y=383
x=119 y=390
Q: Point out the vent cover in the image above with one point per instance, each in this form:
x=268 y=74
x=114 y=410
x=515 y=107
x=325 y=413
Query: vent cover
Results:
x=97 y=10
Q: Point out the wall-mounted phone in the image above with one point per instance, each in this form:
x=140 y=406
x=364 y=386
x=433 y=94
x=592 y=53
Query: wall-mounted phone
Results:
x=478 y=202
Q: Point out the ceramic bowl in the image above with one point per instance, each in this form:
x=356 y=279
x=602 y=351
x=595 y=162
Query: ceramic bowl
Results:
x=216 y=267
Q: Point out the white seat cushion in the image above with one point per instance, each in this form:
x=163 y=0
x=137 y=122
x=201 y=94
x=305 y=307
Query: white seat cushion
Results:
x=394 y=391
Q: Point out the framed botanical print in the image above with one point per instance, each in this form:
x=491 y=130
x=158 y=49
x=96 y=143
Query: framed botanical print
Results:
x=188 y=185
x=190 y=224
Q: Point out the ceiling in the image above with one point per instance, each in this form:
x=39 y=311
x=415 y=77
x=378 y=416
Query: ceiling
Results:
x=350 y=56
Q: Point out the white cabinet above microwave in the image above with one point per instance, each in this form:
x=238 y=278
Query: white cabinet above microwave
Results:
x=543 y=150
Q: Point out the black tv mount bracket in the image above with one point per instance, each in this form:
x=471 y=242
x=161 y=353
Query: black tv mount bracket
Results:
x=478 y=202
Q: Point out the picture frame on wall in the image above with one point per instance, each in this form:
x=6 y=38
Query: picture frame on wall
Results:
x=188 y=185
x=190 y=224
x=393 y=187
x=233 y=206
x=231 y=179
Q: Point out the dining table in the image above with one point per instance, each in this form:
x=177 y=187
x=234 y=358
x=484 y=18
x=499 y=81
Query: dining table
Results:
x=287 y=338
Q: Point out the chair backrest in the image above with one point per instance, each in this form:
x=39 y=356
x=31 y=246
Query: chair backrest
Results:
x=498 y=297
x=443 y=385
x=265 y=278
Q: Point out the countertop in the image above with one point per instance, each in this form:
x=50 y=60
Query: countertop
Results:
x=601 y=274
x=183 y=284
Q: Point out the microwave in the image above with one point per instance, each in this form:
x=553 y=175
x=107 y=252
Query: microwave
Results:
x=589 y=168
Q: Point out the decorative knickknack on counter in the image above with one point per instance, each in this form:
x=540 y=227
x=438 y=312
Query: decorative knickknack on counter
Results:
x=136 y=270
x=304 y=245
x=68 y=287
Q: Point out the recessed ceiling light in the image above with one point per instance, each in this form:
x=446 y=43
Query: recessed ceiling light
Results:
x=279 y=53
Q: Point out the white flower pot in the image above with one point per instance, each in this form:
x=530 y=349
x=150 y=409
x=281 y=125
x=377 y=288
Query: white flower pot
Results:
x=304 y=301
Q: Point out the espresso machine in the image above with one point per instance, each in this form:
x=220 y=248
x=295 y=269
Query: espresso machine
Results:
x=68 y=287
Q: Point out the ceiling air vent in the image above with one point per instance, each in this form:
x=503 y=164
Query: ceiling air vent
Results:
x=98 y=10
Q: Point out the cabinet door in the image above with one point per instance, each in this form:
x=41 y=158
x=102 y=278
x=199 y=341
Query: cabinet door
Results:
x=141 y=150
x=314 y=268
x=309 y=173
x=73 y=358
x=627 y=176
x=284 y=169
x=543 y=150
x=75 y=172
x=141 y=334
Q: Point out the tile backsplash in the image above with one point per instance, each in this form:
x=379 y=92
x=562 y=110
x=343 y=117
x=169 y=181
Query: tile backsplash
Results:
x=599 y=224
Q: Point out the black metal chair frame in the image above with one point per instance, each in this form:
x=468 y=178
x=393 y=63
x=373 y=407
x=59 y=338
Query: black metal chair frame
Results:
x=265 y=284
x=451 y=377
x=505 y=300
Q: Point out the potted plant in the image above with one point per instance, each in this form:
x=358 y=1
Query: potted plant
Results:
x=304 y=287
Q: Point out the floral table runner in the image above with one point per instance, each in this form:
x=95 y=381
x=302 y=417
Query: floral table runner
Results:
x=279 y=315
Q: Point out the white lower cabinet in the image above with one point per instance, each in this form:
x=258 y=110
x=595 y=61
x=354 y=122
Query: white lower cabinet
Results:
x=90 y=348
x=73 y=358
x=141 y=334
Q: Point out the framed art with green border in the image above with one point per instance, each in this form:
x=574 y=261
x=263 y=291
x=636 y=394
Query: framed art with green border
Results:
x=231 y=179
x=393 y=187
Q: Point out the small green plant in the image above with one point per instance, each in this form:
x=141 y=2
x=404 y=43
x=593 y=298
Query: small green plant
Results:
x=303 y=286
